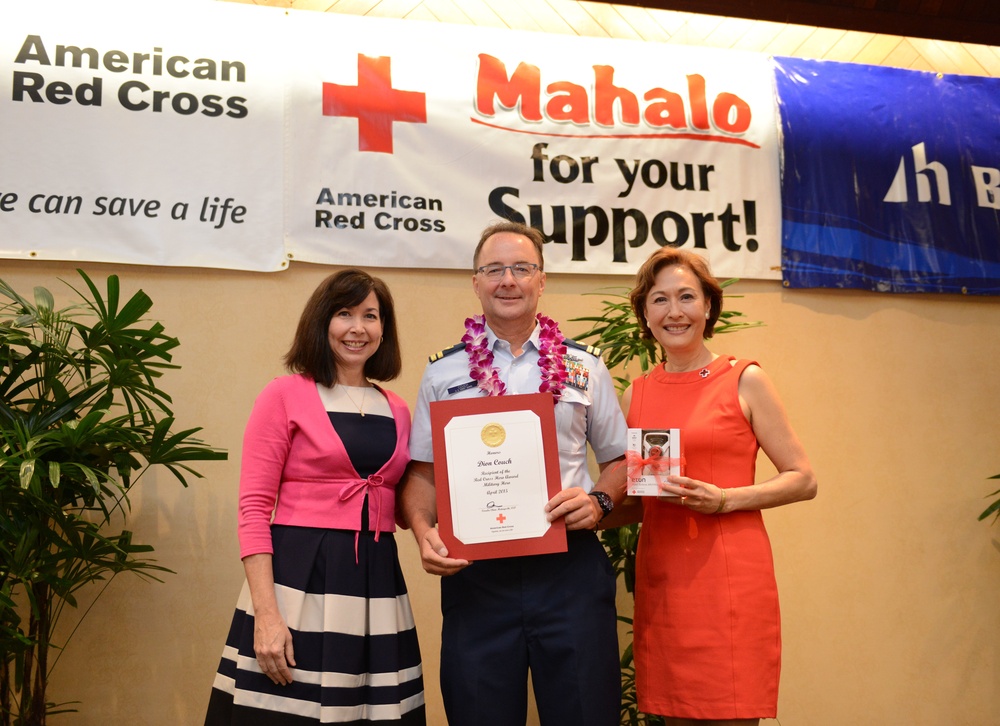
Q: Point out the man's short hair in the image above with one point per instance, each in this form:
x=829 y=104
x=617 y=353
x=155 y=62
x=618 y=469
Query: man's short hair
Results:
x=516 y=228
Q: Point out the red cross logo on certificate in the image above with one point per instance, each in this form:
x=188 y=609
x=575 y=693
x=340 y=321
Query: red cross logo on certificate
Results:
x=501 y=518
x=374 y=103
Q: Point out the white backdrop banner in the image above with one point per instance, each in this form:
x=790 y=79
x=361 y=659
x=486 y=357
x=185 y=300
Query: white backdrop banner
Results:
x=223 y=135
x=142 y=133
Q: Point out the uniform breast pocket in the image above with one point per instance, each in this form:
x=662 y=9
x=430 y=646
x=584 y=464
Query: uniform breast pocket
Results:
x=572 y=412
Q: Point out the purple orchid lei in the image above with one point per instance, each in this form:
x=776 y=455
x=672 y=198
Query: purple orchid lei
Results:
x=550 y=360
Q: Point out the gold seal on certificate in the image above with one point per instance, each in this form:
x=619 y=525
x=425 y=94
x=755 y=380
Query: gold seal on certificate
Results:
x=493 y=434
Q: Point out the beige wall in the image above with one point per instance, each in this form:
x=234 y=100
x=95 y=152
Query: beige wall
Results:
x=889 y=586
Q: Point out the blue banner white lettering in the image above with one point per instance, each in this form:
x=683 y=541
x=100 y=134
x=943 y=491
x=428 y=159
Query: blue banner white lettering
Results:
x=890 y=178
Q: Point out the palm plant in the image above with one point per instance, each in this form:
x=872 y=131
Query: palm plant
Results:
x=616 y=332
x=994 y=508
x=81 y=419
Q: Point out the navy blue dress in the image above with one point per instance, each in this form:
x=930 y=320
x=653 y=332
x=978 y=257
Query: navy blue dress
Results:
x=343 y=597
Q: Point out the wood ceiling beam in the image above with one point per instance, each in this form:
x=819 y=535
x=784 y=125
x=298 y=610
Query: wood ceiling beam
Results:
x=985 y=31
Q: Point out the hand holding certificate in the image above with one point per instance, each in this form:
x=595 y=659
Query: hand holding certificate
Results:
x=495 y=467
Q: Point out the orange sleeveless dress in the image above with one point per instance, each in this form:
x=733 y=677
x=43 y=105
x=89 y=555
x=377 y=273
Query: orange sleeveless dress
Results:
x=707 y=640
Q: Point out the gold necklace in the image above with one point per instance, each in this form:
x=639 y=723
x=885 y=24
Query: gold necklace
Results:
x=361 y=408
x=689 y=369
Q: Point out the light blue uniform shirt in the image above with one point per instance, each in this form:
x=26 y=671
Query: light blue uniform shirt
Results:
x=587 y=411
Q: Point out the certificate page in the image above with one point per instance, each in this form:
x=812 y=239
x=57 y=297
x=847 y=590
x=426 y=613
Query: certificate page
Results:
x=496 y=471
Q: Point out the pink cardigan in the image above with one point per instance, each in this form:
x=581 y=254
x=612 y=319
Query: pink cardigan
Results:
x=292 y=456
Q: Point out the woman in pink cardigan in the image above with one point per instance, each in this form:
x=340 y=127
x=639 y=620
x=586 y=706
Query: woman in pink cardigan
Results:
x=323 y=631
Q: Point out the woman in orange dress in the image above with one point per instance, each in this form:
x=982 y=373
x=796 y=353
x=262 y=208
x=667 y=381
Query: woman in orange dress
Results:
x=707 y=633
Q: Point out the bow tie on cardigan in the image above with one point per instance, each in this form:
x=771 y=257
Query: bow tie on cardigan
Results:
x=374 y=481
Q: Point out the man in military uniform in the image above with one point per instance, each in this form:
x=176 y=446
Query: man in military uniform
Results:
x=551 y=614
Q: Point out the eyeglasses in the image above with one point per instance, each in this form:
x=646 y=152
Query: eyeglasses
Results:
x=520 y=270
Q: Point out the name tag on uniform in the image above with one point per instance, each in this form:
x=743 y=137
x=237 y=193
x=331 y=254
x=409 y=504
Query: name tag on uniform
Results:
x=464 y=387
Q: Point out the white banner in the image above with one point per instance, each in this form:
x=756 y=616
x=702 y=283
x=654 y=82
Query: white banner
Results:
x=402 y=140
x=142 y=132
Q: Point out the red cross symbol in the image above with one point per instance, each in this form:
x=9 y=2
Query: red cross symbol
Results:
x=501 y=518
x=374 y=103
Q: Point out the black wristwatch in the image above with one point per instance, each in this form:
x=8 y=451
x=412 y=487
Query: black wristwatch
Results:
x=604 y=502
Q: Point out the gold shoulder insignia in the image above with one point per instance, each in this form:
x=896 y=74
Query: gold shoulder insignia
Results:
x=593 y=350
x=447 y=351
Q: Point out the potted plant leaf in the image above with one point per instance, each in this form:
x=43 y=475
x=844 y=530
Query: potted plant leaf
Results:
x=994 y=508
x=82 y=417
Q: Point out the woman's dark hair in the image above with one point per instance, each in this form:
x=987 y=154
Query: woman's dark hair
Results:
x=310 y=352
x=645 y=278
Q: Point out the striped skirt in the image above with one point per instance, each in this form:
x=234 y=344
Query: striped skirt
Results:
x=358 y=661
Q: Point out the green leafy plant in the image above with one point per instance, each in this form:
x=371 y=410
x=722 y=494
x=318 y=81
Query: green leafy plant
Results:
x=81 y=419
x=616 y=332
x=994 y=508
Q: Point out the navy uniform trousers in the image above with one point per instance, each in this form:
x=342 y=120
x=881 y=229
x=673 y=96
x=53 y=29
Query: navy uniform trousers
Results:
x=553 y=614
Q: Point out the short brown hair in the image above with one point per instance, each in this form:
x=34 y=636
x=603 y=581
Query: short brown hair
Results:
x=645 y=278
x=310 y=352
x=516 y=228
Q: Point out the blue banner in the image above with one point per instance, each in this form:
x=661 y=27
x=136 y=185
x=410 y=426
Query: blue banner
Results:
x=890 y=178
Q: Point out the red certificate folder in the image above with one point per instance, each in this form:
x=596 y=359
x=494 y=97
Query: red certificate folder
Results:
x=442 y=412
